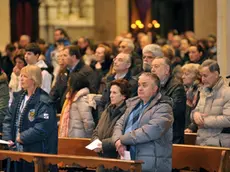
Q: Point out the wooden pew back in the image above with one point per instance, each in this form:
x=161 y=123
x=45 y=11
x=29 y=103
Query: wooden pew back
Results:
x=74 y=146
x=41 y=161
x=190 y=138
x=196 y=157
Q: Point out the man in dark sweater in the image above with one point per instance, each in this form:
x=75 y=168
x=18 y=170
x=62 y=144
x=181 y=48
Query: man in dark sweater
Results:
x=173 y=88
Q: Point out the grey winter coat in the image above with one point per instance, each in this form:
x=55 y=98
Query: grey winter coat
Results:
x=216 y=105
x=81 y=123
x=153 y=138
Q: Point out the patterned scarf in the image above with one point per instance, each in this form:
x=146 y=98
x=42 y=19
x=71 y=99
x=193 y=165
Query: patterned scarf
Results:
x=64 y=119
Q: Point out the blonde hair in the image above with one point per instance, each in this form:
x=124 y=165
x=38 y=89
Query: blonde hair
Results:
x=33 y=72
x=192 y=68
x=168 y=51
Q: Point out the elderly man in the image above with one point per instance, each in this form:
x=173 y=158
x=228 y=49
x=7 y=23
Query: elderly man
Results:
x=145 y=129
x=121 y=66
x=127 y=46
x=149 y=53
x=172 y=87
x=212 y=114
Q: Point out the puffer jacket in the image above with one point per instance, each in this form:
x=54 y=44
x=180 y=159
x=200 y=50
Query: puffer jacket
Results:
x=215 y=104
x=37 y=125
x=4 y=97
x=153 y=137
x=81 y=123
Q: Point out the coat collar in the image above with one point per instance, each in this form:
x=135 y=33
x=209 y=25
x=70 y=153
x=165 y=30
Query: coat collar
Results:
x=80 y=93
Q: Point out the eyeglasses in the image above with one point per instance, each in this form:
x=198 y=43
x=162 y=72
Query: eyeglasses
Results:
x=122 y=47
x=149 y=57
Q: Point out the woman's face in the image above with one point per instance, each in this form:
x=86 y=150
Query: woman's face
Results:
x=116 y=97
x=26 y=81
x=188 y=77
x=19 y=63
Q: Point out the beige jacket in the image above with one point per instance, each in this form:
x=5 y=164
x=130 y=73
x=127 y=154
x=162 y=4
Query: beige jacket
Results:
x=216 y=104
x=81 y=122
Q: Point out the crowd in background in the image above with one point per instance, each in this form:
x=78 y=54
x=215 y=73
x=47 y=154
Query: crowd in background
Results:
x=138 y=93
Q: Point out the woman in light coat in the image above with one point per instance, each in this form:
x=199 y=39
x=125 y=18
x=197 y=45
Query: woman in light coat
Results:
x=76 y=117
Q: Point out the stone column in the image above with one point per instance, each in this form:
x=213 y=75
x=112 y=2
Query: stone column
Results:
x=111 y=18
x=5 y=24
x=205 y=17
x=223 y=36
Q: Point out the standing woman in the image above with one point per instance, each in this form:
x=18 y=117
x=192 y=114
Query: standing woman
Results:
x=76 y=116
x=119 y=92
x=30 y=125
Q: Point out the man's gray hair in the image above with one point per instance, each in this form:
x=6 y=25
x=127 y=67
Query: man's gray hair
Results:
x=130 y=43
x=154 y=49
x=212 y=65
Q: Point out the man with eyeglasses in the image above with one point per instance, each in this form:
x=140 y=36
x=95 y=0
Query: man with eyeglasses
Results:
x=127 y=46
x=121 y=65
x=173 y=88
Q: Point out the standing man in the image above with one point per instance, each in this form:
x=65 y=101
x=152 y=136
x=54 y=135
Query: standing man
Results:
x=145 y=129
x=173 y=88
x=212 y=113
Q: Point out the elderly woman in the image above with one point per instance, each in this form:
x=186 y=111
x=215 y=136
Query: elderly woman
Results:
x=30 y=125
x=191 y=81
x=119 y=92
x=76 y=117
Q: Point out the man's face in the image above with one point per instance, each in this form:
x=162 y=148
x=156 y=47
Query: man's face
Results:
x=184 y=45
x=194 y=54
x=100 y=54
x=147 y=61
x=209 y=79
x=58 y=35
x=31 y=58
x=160 y=68
x=146 y=88
x=67 y=58
x=82 y=43
x=123 y=48
x=121 y=63
x=115 y=95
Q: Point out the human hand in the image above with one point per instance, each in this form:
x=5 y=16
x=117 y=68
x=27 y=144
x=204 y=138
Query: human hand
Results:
x=11 y=143
x=187 y=130
x=18 y=138
x=99 y=148
x=120 y=147
x=16 y=70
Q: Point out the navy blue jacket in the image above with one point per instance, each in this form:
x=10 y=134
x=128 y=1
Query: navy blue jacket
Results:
x=38 y=124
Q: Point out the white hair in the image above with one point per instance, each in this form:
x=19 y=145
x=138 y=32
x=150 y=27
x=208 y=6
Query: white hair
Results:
x=129 y=42
x=154 y=49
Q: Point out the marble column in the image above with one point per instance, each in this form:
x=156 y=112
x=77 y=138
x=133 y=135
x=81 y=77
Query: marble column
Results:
x=205 y=17
x=5 y=23
x=223 y=36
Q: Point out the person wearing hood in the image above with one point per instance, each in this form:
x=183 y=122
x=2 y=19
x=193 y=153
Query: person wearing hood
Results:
x=145 y=129
x=76 y=117
x=32 y=58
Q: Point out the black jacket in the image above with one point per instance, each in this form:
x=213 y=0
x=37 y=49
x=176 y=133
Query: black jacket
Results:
x=58 y=92
x=105 y=99
x=174 y=89
x=38 y=124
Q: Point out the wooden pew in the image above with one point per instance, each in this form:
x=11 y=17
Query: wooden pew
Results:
x=190 y=138
x=74 y=146
x=41 y=161
x=196 y=157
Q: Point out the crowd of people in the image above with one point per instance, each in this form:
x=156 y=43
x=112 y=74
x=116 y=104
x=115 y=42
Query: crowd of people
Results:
x=133 y=95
